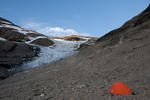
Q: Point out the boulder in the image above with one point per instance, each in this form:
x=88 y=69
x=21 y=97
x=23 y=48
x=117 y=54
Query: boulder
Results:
x=12 y=53
x=75 y=39
x=43 y=42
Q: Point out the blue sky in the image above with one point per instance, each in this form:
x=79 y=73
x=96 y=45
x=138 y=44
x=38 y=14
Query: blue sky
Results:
x=67 y=17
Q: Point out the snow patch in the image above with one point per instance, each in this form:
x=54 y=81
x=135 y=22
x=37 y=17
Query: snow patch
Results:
x=6 y=22
x=32 y=39
x=18 y=29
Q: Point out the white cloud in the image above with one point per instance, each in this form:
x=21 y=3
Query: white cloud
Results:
x=31 y=25
x=52 y=31
x=57 y=31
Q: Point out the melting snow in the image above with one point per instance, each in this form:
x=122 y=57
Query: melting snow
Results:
x=6 y=22
x=61 y=50
x=32 y=39
x=18 y=29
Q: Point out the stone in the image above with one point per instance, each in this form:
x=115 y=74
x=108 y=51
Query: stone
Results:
x=43 y=42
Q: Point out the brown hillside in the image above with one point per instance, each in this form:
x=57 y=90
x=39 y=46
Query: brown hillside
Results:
x=73 y=36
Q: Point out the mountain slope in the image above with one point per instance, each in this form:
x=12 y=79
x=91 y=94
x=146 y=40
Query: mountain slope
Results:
x=121 y=55
x=13 y=49
x=16 y=48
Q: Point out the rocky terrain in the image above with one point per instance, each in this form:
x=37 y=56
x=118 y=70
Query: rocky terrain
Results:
x=13 y=54
x=121 y=55
x=18 y=46
x=13 y=49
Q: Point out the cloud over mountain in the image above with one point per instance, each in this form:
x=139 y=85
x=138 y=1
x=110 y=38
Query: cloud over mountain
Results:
x=52 y=31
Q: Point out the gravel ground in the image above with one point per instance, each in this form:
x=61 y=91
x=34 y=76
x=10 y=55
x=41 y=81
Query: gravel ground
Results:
x=122 y=55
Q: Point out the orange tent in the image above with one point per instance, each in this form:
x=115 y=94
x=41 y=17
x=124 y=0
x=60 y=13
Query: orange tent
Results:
x=120 y=89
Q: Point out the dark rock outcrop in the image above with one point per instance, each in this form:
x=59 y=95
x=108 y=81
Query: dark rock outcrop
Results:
x=11 y=32
x=14 y=51
x=43 y=42
x=12 y=35
x=14 y=54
